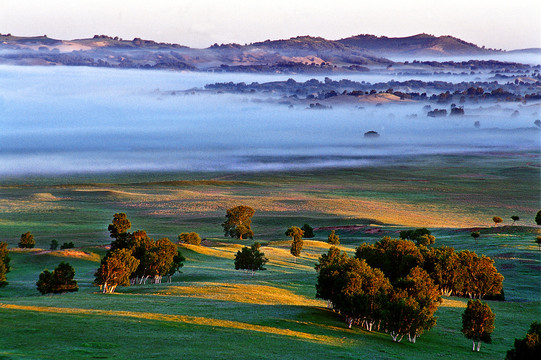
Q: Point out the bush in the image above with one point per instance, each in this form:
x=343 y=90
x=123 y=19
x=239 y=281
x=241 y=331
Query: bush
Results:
x=58 y=281
x=54 y=245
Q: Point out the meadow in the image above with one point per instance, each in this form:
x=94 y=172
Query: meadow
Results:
x=210 y=310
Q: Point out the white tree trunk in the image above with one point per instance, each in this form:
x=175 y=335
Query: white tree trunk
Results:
x=479 y=345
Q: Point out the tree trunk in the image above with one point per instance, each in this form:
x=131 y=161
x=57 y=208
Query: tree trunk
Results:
x=473 y=345
x=479 y=345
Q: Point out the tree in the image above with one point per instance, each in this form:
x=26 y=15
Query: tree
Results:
x=425 y=240
x=178 y=261
x=192 y=238
x=250 y=258
x=115 y=269
x=497 y=220
x=412 y=306
x=414 y=235
x=394 y=257
x=308 y=231
x=538 y=218
x=54 y=244
x=118 y=230
x=27 y=241
x=58 y=281
x=443 y=267
x=333 y=239
x=296 y=235
x=515 y=219
x=478 y=323
x=238 y=222
x=120 y=225
x=538 y=241
x=478 y=275
x=4 y=263
x=67 y=245
x=529 y=347
x=475 y=234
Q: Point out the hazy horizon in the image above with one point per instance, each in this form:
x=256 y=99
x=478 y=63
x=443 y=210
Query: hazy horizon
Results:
x=499 y=25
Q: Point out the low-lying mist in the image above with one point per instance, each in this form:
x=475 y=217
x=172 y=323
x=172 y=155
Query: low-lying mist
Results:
x=76 y=120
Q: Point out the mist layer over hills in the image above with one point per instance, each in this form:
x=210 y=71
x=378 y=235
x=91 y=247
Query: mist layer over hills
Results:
x=58 y=120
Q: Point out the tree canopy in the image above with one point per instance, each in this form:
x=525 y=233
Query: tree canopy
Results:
x=250 y=259
x=333 y=239
x=538 y=218
x=27 y=241
x=497 y=220
x=58 y=281
x=4 y=263
x=296 y=235
x=192 y=238
x=478 y=323
x=238 y=222
x=308 y=231
x=529 y=347
x=115 y=269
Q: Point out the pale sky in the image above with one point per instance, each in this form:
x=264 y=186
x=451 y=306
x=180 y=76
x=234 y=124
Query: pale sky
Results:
x=496 y=24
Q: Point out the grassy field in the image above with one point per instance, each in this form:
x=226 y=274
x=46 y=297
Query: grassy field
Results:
x=212 y=311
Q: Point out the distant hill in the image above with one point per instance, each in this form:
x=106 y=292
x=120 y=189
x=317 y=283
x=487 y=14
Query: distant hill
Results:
x=421 y=44
x=301 y=54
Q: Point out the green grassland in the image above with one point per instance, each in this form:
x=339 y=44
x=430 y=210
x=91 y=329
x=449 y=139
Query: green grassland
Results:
x=212 y=311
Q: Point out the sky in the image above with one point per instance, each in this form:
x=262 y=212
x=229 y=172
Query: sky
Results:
x=499 y=24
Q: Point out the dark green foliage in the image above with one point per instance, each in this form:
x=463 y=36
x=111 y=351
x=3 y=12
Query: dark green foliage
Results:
x=54 y=245
x=67 y=245
x=515 y=218
x=4 y=263
x=27 y=241
x=308 y=231
x=238 y=222
x=394 y=257
x=333 y=239
x=250 y=258
x=414 y=235
x=475 y=234
x=538 y=218
x=538 y=242
x=529 y=347
x=192 y=238
x=178 y=262
x=365 y=296
x=478 y=323
x=296 y=234
x=59 y=281
x=120 y=225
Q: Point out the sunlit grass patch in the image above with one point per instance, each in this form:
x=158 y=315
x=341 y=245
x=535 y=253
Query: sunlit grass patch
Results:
x=69 y=253
x=243 y=293
x=453 y=303
x=193 y=320
x=227 y=251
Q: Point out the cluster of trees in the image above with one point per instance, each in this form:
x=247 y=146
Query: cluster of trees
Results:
x=4 y=263
x=367 y=297
x=395 y=285
x=135 y=257
x=461 y=273
x=250 y=259
x=66 y=245
x=58 y=281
